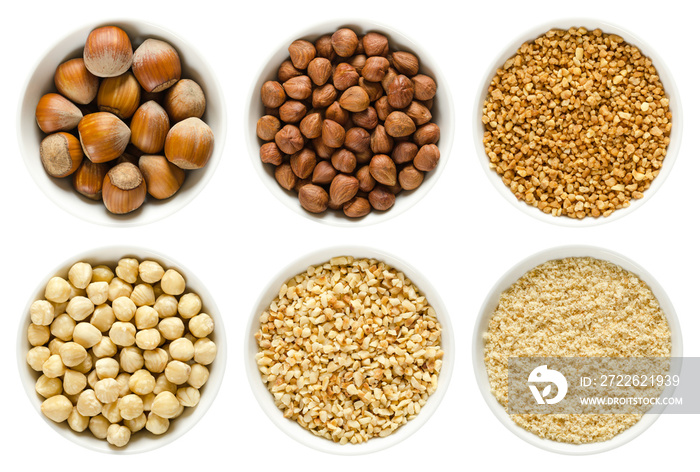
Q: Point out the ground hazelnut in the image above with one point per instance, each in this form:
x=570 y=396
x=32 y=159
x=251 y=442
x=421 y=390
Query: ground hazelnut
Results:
x=313 y=198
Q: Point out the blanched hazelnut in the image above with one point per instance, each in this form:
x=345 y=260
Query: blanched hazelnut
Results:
x=127 y=269
x=74 y=382
x=107 y=390
x=142 y=382
x=102 y=273
x=72 y=354
x=143 y=295
x=148 y=339
x=48 y=387
x=53 y=367
x=37 y=355
x=123 y=333
x=124 y=308
x=130 y=406
x=155 y=360
x=103 y=317
x=119 y=288
x=165 y=405
x=189 y=305
x=157 y=424
x=41 y=312
x=172 y=282
x=164 y=385
x=188 y=396
x=57 y=290
x=57 y=408
x=104 y=348
x=80 y=274
x=151 y=271
x=98 y=426
x=38 y=335
x=201 y=325
x=198 y=376
x=98 y=292
x=88 y=404
x=107 y=368
x=204 y=351
x=171 y=328
x=86 y=334
x=131 y=359
x=111 y=412
x=166 y=306
x=76 y=421
x=79 y=308
x=136 y=424
x=181 y=349
x=118 y=435
x=146 y=317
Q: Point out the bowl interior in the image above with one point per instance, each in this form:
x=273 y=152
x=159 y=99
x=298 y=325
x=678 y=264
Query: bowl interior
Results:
x=671 y=92
x=60 y=191
x=142 y=441
x=443 y=116
x=490 y=304
x=266 y=400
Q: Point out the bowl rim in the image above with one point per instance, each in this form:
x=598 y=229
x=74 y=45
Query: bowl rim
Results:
x=263 y=396
x=210 y=389
x=445 y=106
x=485 y=312
x=670 y=88
x=171 y=206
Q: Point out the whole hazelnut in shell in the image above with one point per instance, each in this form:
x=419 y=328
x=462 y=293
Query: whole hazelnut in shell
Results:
x=189 y=144
x=107 y=51
x=156 y=65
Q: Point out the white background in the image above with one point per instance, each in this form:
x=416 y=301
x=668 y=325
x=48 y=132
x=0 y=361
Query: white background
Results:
x=463 y=235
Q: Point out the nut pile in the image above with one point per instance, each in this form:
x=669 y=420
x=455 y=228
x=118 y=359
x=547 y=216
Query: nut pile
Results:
x=123 y=123
x=350 y=349
x=574 y=307
x=347 y=123
x=577 y=123
x=119 y=350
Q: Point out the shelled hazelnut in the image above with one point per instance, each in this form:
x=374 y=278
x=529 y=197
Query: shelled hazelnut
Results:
x=345 y=120
x=123 y=102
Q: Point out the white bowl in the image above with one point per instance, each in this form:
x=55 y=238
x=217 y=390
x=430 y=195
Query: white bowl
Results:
x=443 y=116
x=669 y=86
x=60 y=191
x=143 y=440
x=490 y=304
x=265 y=398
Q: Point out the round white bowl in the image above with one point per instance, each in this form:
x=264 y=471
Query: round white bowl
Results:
x=143 y=440
x=669 y=86
x=60 y=191
x=265 y=398
x=490 y=304
x=443 y=116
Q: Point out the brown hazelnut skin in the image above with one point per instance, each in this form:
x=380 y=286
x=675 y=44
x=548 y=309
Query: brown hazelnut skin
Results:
x=424 y=87
x=298 y=88
x=311 y=125
x=427 y=134
x=357 y=207
x=267 y=127
x=323 y=96
x=365 y=179
x=324 y=48
x=410 y=178
x=354 y=99
x=374 y=89
x=313 y=198
x=343 y=188
x=427 y=158
x=381 y=198
x=383 y=108
x=344 y=160
x=405 y=63
x=301 y=52
x=380 y=141
x=375 y=68
x=303 y=163
x=400 y=92
x=398 y=124
x=332 y=133
x=338 y=114
x=289 y=139
x=357 y=139
x=270 y=154
x=345 y=76
x=375 y=44
x=286 y=71
x=404 y=152
x=272 y=94
x=285 y=176
x=319 y=70
x=323 y=173
x=419 y=113
x=367 y=118
x=292 y=111
x=383 y=169
x=344 y=42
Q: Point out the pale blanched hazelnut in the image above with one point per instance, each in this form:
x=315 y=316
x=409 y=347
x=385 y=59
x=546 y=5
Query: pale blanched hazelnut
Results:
x=204 y=351
x=198 y=376
x=157 y=424
x=62 y=327
x=72 y=354
x=98 y=292
x=119 y=288
x=150 y=271
x=155 y=360
x=164 y=385
x=98 y=426
x=104 y=348
x=41 y=312
x=172 y=282
x=123 y=381
x=55 y=345
x=80 y=274
x=88 y=404
x=103 y=317
x=76 y=421
x=136 y=424
x=57 y=290
x=102 y=273
x=166 y=306
x=37 y=355
x=127 y=269
x=171 y=328
x=123 y=333
x=143 y=295
x=85 y=366
x=53 y=367
x=177 y=372
x=124 y=308
x=107 y=368
x=80 y=307
x=118 y=435
x=142 y=382
x=130 y=406
x=57 y=408
x=188 y=396
x=148 y=339
x=181 y=349
x=189 y=305
x=201 y=325
x=131 y=359
x=165 y=405
x=92 y=379
x=48 y=387
x=111 y=412
x=107 y=390
x=146 y=317
x=86 y=334
x=38 y=335
x=74 y=382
